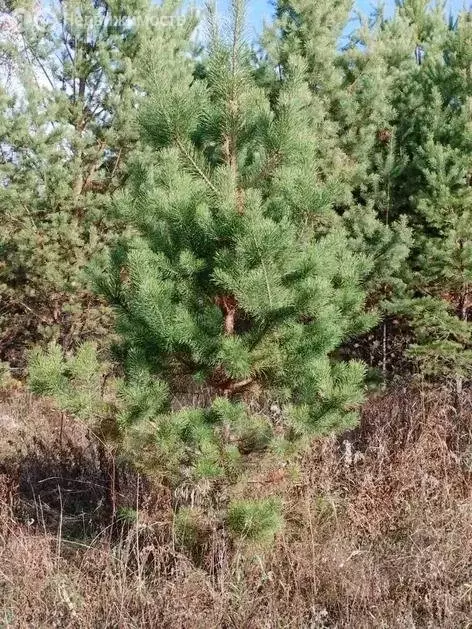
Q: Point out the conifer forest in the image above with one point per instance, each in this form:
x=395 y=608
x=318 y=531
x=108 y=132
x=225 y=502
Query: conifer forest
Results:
x=235 y=315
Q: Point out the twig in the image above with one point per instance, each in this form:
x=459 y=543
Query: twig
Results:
x=59 y=532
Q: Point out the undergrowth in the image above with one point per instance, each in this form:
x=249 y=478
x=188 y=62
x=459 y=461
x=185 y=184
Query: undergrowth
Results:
x=378 y=530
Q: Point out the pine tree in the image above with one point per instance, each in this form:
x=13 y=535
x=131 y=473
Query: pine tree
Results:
x=67 y=127
x=311 y=31
x=436 y=183
x=239 y=285
x=372 y=66
x=418 y=167
x=352 y=76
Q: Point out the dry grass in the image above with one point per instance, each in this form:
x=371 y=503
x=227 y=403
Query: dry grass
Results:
x=379 y=533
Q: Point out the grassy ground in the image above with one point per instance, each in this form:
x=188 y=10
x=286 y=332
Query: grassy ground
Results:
x=378 y=533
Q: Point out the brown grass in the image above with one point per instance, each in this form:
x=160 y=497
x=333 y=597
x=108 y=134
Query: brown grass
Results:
x=378 y=534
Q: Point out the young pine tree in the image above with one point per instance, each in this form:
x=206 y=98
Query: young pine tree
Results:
x=435 y=135
x=351 y=78
x=239 y=284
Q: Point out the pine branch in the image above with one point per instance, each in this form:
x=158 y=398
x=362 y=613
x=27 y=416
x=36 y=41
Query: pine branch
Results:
x=189 y=157
x=269 y=294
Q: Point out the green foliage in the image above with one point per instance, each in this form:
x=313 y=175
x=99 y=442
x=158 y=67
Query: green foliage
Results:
x=191 y=528
x=267 y=208
x=76 y=381
x=127 y=515
x=141 y=398
x=255 y=520
x=399 y=102
x=240 y=280
x=442 y=339
x=67 y=128
x=235 y=283
x=431 y=183
x=352 y=77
